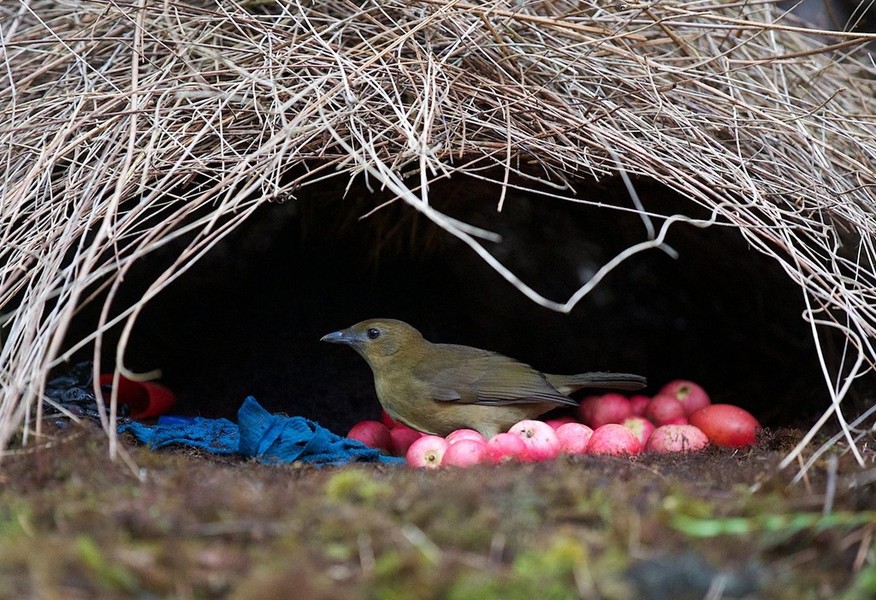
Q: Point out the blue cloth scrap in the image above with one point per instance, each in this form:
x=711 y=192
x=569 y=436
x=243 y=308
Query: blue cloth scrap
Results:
x=269 y=438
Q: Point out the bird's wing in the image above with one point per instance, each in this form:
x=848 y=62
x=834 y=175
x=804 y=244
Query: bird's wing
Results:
x=471 y=376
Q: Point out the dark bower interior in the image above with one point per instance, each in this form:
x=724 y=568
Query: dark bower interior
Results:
x=246 y=320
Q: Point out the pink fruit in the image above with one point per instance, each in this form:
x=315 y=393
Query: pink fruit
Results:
x=540 y=439
x=464 y=434
x=387 y=420
x=691 y=395
x=373 y=434
x=506 y=447
x=613 y=439
x=638 y=404
x=585 y=409
x=727 y=425
x=402 y=437
x=676 y=438
x=574 y=438
x=609 y=408
x=465 y=453
x=556 y=423
x=641 y=428
x=427 y=452
x=665 y=410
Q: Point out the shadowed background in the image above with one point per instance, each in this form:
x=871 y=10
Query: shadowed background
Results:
x=248 y=317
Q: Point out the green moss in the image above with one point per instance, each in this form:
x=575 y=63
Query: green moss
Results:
x=406 y=575
x=106 y=573
x=555 y=572
x=16 y=520
x=864 y=585
x=550 y=571
x=357 y=486
x=475 y=584
x=220 y=528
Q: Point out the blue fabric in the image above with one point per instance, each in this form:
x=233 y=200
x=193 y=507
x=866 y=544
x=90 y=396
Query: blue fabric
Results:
x=269 y=438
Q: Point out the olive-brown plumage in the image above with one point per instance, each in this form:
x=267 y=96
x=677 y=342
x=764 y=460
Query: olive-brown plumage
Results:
x=437 y=388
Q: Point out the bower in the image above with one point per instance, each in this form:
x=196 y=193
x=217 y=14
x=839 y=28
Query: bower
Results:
x=680 y=192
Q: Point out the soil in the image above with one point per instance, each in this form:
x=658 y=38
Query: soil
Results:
x=247 y=318
x=184 y=524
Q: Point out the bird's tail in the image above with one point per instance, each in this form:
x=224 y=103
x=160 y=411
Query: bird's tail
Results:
x=566 y=384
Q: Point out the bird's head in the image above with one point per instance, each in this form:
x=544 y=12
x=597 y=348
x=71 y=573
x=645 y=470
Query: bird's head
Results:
x=377 y=340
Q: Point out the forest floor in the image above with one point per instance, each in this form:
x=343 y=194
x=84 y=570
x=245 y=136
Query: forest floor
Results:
x=185 y=524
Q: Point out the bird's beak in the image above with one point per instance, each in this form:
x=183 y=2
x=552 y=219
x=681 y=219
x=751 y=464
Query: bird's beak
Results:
x=339 y=337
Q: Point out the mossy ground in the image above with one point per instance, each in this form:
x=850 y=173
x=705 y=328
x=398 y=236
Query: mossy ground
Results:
x=718 y=524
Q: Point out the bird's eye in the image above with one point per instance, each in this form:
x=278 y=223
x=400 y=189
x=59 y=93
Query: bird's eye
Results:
x=373 y=333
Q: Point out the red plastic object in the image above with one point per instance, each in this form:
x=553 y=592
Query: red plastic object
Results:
x=146 y=399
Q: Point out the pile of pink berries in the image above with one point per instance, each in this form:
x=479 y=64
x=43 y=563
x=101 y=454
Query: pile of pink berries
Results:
x=679 y=418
